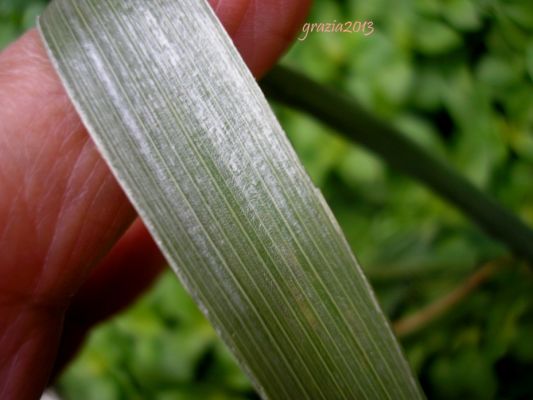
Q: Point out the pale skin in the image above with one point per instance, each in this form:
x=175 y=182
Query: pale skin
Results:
x=72 y=251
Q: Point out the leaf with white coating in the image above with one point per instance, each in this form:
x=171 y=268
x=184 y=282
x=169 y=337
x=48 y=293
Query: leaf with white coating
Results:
x=193 y=142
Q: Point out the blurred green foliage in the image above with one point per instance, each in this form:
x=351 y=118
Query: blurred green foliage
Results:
x=454 y=75
x=16 y=16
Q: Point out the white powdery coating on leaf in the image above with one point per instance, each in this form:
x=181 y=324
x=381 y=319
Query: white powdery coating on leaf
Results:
x=205 y=162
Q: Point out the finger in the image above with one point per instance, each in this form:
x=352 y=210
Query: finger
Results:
x=129 y=269
x=60 y=212
x=273 y=24
x=130 y=266
x=48 y=246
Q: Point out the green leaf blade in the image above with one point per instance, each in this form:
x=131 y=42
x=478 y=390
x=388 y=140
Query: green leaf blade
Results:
x=194 y=144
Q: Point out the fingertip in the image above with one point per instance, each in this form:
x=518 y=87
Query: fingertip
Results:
x=127 y=271
x=130 y=268
x=262 y=30
x=268 y=30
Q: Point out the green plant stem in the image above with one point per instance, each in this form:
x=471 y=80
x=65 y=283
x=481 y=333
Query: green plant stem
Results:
x=422 y=318
x=343 y=113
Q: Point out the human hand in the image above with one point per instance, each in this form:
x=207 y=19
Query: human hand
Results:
x=71 y=249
